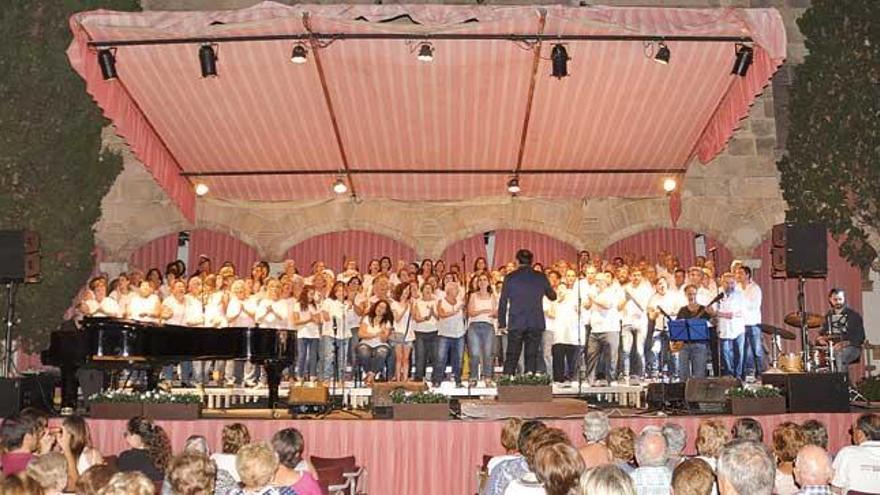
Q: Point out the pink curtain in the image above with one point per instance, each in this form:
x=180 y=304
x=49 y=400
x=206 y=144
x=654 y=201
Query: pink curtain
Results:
x=218 y=246
x=546 y=249
x=471 y=248
x=679 y=242
x=156 y=253
x=334 y=247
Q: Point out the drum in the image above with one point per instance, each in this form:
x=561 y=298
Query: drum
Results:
x=819 y=358
x=791 y=363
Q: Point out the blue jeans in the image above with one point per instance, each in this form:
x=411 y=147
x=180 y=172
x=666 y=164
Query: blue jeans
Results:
x=373 y=358
x=448 y=349
x=307 y=357
x=659 y=355
x=480 y=339
x=329 y=348
x=426 y=352
x=732 y=351
x=692 y=359
x=754 y=356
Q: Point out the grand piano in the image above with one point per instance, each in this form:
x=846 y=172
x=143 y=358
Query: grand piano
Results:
x=111 y=343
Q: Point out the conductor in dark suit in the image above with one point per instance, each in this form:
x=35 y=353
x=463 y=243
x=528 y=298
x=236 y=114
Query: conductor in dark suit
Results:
x=522 y=293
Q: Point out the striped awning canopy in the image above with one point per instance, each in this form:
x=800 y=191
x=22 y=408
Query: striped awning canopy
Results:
x=364 y=107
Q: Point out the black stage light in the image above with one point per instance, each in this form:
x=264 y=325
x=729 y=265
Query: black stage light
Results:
x=299 y=55
x=208 y=61
x=107 y=61
x=744 y=56
x=426 y=52
x=663 y=54
x=559 y=57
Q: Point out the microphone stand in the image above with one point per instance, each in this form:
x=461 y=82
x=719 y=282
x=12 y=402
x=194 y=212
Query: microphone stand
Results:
x=579 y=323
x=668 y=344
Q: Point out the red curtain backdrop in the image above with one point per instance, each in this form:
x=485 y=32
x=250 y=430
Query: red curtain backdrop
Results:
x=679 y=242
x=471 y=248
x=218 y=246
x=546 y=249
x=363 y=246
x=156 y=253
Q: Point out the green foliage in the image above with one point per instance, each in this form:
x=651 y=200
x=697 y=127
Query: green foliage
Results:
x=754 y=392
x=831 y=170
x=158 y=397
x=399 y=396
x=528 y=379
x=53 y=172
x=870 y=388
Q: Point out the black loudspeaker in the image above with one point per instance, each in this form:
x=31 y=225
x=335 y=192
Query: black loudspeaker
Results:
x=28 y=391
x=812 y=392
x=19 y=256
x=663 y=395
x=709 y=394
x=799 y=250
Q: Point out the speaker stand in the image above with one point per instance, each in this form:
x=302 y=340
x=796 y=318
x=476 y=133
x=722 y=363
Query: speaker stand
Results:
x=802 y=309
x=6 y=371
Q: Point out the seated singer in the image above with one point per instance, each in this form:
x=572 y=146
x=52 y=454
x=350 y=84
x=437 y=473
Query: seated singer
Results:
x=845 y=324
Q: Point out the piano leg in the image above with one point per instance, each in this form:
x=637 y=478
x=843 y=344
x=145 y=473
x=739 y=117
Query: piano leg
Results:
x=273 y=379
x=69 y=386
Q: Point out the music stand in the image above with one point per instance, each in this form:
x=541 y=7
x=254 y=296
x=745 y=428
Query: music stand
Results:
x=689 y=330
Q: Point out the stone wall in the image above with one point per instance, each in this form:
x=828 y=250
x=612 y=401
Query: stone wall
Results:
x=735 y=198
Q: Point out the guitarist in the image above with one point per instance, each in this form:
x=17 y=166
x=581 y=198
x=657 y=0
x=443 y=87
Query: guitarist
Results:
x=694 y=355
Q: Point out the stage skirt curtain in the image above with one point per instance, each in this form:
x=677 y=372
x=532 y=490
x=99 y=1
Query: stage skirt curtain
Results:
x=334 y=247
x=470 y=249
x=218 y=246
x=547 y=250
x=679 y=242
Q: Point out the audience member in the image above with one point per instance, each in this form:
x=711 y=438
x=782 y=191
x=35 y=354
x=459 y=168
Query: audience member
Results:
x=129 y=483
x=652 y=477
x=150 y=449
x=509 y=436
x=512 y=469
x=288 y=445
x=95 y=478
x=595 y=452
x=693 y=477
x=18 y=444
x=787 y=441
x=192 y=473
x=39 y=421
x=609 y=479
x=256 y=464
x=676 y=441
x=745 y=467
x=527 y=483
x=558 y=468
x=76 y=444
x=50 y=471
x=622 y=444
x=857 y=467
x=711 y=437
x=20 y=484
x=197 y=444
x=812 y=471
x=748 y=429
x=234 y=437
x=815 y=433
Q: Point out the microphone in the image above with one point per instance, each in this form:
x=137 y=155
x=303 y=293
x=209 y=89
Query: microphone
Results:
x=719 y=297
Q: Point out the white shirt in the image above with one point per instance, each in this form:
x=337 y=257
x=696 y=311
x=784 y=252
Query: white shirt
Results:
x=605 y=320
x=480 y=303
x=177 y=308
x=107 y=307
x=451 y=326
x=123 y=300
x=752 y=310
x=309 y=329
x=278 y=317
x=237 y=312
x=139 y=307
x=549 y=308
x=227 y=462
x=857 y=467
x=194 y=316
x=214 y=314
x=731 y=328
x=527 y=485
x=336 y=310
x=429 y=325
x=670 y=302
x=377 y=330
x=635 y=312
x=402 y=320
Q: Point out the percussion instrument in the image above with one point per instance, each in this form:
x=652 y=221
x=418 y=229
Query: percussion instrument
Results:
x=791 y=363
x=812 y=319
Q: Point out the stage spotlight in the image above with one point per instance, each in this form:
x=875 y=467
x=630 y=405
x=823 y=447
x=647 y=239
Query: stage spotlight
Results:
x=559 y=57
x=201 y=189
x=744 y=56
x=663 y=54
x=208 y=61
x=299 y=55
x=107 y=61
x=339 y=186
x=669 y=184
x=426 y=52
x=513 y=185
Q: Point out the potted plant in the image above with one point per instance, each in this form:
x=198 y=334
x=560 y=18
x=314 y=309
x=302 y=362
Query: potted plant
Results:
x=117 y=404
x=869 y=389
x=525 y=388
x=419 y=405
x=753 y=401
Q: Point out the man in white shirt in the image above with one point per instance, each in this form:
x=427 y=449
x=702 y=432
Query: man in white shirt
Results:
x=731 y=327
x=636 y=293
x=857 y=467
x=662 y=306
x=605 y=328
x=652 y=477
x=754 y=357
x=704 y=297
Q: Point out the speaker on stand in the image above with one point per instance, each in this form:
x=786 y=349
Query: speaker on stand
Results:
x=19 y=263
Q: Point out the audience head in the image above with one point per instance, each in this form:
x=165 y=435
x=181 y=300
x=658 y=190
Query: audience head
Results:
x=748 y=429
x=815 y=433
x=676 y=439
x=867 y=428
x=524 y=257
x=788 y=438
x=93 y=479
x=192 y=473
x=50 y=471
x=141 y=433
x=607 y=480
x=559 y=468
x=651 y=447
x=20 y=484
x=745 y=467
x=234 y=437
x=596 y=426
x=693 y=477
x=813 y=466
x=129 y=483
x=256 y=464
x=17 y=433
x=288 y=445
x=621 y=443
x=528 y=429
x=197 y=444
x=711 y=436
x=543 y=438
x=76 y=429
x=510 y=434
x=38 y=419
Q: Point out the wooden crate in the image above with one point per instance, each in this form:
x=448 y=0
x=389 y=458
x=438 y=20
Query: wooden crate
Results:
x=315 y=395
x=115 y=410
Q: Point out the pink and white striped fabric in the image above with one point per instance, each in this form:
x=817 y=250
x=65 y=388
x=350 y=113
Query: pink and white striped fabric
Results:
x=335 y=247
x=471 y=248
x=642 y=115
x=218 y=246
x=547 y=250
x=679 y=242
x=155 y=254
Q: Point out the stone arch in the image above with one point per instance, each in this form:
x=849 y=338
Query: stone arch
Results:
x=289 y=240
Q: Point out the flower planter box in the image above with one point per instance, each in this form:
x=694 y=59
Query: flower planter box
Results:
x=421 y=411
x=525 y=393
x=115 y=410
x=754 y=406
x=171 y=411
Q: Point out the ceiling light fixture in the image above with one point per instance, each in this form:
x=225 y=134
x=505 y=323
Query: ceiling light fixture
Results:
x=201 y=189
x=339 y=187
x=299 y=55
x=208 y=60
x=670 y=184
x=426 y=52
x=107 y=61
x=513 y=185
x=559 y=59
x=744 y=56
x=663 y=53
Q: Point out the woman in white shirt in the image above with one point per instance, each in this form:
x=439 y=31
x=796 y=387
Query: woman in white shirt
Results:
x=482 y=309
x=424 y=314
x=240 y=312
x=174 y=313
x=195 y=317
x=122 y=293
x=350 y=269
x=97 y=303
x=334 y=334
x=404 y=334
x=373 y=349
x=356 y=307
x=373 y=269
x=308 y=319
x=144 y=306
x=450 y=332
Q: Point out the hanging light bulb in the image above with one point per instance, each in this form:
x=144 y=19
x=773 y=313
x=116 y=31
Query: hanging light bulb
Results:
x=299 y=55
x=426 y=52
x=202 y=189
x=669 y=184
x=513 y=185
